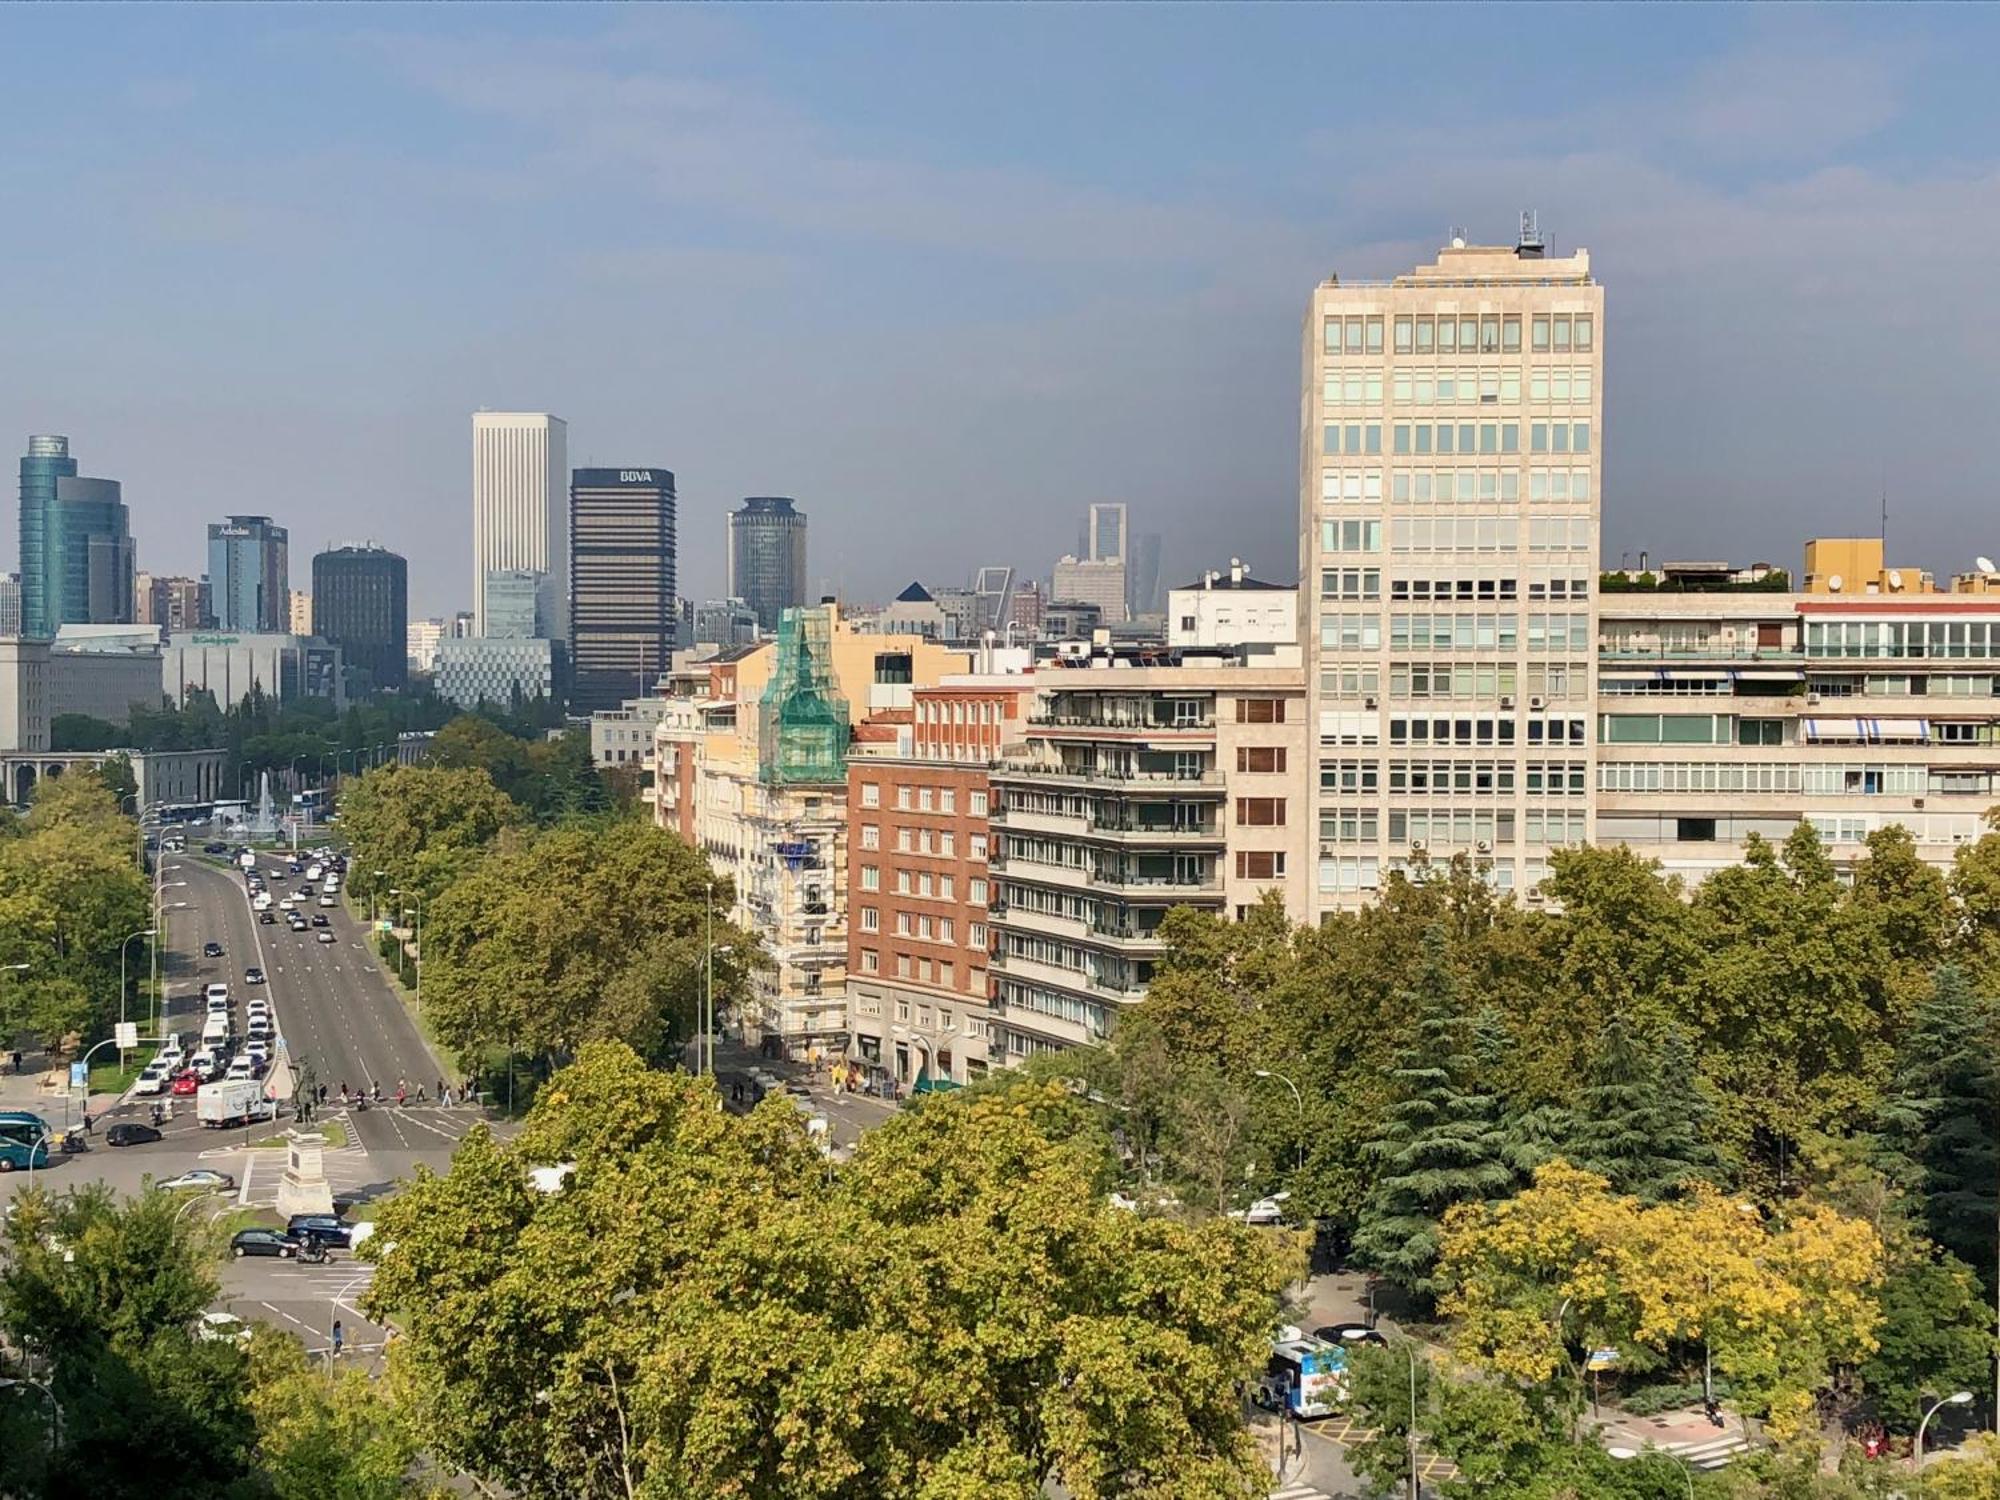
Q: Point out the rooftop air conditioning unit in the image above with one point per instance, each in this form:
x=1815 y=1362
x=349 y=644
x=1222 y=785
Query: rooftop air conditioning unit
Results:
x=1537 y=702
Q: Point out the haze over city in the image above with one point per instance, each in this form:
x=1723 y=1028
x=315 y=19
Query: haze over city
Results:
x=939 y=268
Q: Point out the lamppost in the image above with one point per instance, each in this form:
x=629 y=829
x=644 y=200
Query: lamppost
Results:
x=416 y=990
x=1687 y=1470
x=1956 y=1398
x=55 y=1408
x=377 y=875
x=706 y=1047
x=1298 y=1099
x=123 y=949
x=155 y=951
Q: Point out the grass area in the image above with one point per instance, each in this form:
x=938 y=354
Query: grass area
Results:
x=334 y=1131
x=108 y=1077
x=249 y=1217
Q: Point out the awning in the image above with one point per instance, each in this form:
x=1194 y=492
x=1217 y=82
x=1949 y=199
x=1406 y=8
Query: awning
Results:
x=1834 y=729
x=1899 y=729
x=1772 y=674
x=1622 y=674
x=1695 y=674
x=929 y=1085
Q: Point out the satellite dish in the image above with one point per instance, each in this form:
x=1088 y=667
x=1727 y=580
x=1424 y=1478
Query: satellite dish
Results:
x=1895 y=578
x=1985 y=564
x=1834 y=582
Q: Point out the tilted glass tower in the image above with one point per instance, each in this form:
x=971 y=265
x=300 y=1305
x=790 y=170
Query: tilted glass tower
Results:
x=767 y=557
x=77 y=560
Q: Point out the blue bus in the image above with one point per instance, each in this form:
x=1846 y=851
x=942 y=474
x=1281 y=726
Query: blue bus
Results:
x=24 y=1140
x=1306 y=1378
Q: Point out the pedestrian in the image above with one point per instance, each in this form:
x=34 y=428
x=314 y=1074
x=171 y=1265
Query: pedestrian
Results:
x=338 y=1338
x=17 y=1062
x=440 y=1092
x=86 y=1122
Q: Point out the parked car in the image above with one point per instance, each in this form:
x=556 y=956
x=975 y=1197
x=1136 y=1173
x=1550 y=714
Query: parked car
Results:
x=221 y=1328
x=329 y=1227
x=200 y=1177
x=1349 y=1333
x=130 y=1135
x=253 y=976
x=211 y=950
x=262 y=1242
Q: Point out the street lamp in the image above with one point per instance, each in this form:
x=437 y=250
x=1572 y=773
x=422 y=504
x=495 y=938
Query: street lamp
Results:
x=1298 y=1099
x=123 y=949
x=55 y=1409
x=155 y=950
x=378 y=875
x=417 y=990
x=1956 y=1398
x=1687 y=1470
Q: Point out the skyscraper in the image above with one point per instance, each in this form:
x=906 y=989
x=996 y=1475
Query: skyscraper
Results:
x=300 y=612
x=10 y=604
x=249 y=575
x=1105 y=535
x=360 y=602
x=514 y=599
x=1448 y=524
x=520 y=514
x=77 y=559
x=622 y=610
x=1142 y=574
x=175 y=604
x=767 y=557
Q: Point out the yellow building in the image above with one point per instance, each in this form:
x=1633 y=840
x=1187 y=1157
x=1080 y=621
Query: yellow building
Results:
x=1854 y=565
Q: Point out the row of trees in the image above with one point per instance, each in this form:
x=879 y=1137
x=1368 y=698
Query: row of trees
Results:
x=540 y=937
x=71 y=892
x=708 y=1306
x=99 y=1300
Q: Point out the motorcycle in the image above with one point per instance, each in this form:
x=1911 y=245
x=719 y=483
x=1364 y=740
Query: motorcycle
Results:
x=73 y=1141
x=314 y=1252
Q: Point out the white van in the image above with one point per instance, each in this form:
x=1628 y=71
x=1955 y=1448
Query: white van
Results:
x=216 y=992
x=216 y=1031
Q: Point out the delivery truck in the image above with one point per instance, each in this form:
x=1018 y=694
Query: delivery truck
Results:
x=231 y=1102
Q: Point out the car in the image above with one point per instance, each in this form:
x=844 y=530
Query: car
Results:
x=262 y=1242
x=150 y=1082
x=275 y=875
x=325 y=935
x=1269 y=1210
x=216 y=991
x=239 y=1069
x=211 y=950
x=319 y=919
x=187 y=1081
x=199 y=1177
x=130 y=1135
x=263 y=901
x=313 y=872
x=294 y=867
x=221 y=1328
x=214 y=848
x=268 y=918
x=1350 y=1333
x=253 y=976
x=325 y=900
x=332 y=1228
x=288 y=904
x=256 y=1005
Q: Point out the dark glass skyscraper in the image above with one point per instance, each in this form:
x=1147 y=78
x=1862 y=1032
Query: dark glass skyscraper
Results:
x=767 y=557
x=249 y=579
x=361 y=603
x=622 y=608
x=77 y=560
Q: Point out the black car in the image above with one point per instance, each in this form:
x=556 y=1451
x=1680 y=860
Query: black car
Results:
x=268 y=918
x=331 y=1228
x=1349 y=1333
x=211 y=950
x=130 y=1135
x=214 y=848
x=319 y=919
x=262 y=1242
x=253 y=976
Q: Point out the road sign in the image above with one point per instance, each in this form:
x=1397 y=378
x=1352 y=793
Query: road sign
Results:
x=1602 y=1359
x=79 y=1075
x=126 y=1034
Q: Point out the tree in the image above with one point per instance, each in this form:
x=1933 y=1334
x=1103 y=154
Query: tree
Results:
x=707 y=1306
x=1638 y=1117
x=324 y=1435
x=1934 y=1334
x=581 y=934
x=1441 y=1143
x=103 y=1295
x=423 y=826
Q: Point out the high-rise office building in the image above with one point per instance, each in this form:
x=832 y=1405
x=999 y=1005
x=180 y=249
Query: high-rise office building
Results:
x=1448 y=529
x=1105 y=538
x=767 y=557
x=174 y=604
x=301 y=612
x=622 y=610
x=249 y=575
x=520 y=509
x=77 y=558
x=1090 y=581
x=361 y=603
x=10 y=604
x=514 y=600
x=1142 y=575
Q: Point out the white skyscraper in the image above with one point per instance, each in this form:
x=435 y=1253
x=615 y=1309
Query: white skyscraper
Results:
x=520 y=508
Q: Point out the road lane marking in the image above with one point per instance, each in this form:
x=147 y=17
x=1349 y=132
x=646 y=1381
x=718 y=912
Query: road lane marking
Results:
x=249 y=1166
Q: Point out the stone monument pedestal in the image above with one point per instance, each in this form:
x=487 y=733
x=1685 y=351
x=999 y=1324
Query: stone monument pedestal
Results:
x=304 y=1188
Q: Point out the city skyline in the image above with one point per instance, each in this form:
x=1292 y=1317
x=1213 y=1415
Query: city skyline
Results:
x=1134 y=334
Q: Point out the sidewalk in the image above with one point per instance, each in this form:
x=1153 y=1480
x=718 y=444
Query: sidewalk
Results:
x=1687 y=1434
x=41 y=1086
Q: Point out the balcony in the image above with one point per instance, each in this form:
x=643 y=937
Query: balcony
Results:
x=1121 y=724
x=1113 y=989
x=1132 y=831
x=1129 y=782
x=1160 y=888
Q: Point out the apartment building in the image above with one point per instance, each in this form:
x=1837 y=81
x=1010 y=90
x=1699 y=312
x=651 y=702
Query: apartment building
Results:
x=1866 y=700
x=1136 y=788
x=1451 y=444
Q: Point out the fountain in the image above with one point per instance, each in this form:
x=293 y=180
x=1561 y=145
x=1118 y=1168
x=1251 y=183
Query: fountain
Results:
x=264 y=822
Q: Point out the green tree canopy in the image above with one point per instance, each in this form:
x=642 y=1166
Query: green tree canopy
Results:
x=423 y=826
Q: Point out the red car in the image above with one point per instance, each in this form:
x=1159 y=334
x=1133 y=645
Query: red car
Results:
x=186 y=1082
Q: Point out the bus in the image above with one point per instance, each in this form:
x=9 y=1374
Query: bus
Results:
x=1306 y=1378
x=24 y=1140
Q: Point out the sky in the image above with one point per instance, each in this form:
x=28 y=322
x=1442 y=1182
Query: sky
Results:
x=947 y=275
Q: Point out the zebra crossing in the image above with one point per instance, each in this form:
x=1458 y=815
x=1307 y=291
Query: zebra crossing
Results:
x=1300 y=1492
x=1712 y=1453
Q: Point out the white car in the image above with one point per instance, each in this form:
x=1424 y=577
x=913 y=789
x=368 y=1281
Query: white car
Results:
x=313 y=872
x=221 y=1328
x=239 y=1069
x=327 y=901
x=288 y=904
x=152 y=1081
x=263 y=901
x=216 y=991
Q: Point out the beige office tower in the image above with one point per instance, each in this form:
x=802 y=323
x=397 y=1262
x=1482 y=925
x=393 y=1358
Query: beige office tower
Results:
x=1449 y=463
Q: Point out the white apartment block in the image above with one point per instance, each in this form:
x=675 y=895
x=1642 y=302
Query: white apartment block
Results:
x=1233 y=609
x=1136 y=789
x=520 y=508
x=1449 y=459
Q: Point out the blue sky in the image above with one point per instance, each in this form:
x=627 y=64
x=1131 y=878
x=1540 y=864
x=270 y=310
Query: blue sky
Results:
x=949 y=274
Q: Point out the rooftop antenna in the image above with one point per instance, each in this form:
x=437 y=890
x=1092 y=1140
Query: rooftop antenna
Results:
x=1530 y=244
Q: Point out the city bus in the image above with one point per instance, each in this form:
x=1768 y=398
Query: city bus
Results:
x=24 y=1140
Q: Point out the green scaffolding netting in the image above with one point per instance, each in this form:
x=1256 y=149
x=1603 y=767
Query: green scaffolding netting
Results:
x=803 y=729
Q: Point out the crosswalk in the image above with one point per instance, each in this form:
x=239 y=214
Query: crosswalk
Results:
x=1712 y=1453
x=1300 y=1492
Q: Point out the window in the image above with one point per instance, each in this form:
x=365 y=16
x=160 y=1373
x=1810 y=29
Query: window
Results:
x=1260 y=710
x=902 y=924
x=945 y=930
x=1260 y=758
x=903 y=969
x=903 y=798
x=871 y=878
x=947 y=973
x=926 y=929
x=871 y=919
x=976 y=846
x=926 y=884
x=1539 y=337
x=924 y=799
x=975 y=935
x=948 y=844
x=947 y=800
x=1260 y=864
x=1405 y=334
x=978 y=808
x=871 y=836
x=975 y=892
x=946 y=886
x=871 y=961
x=904 y=839
x=871 y=794
x=1260 y=812
x=902 y=882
